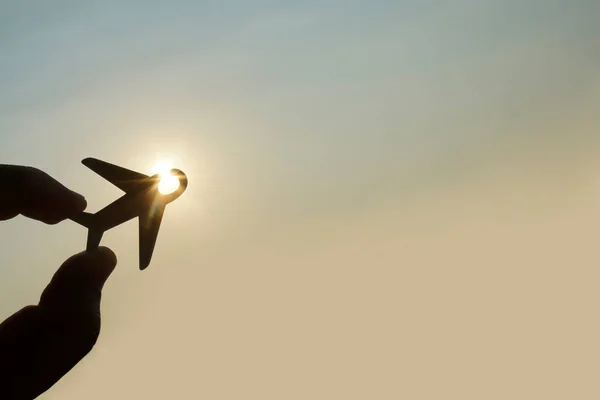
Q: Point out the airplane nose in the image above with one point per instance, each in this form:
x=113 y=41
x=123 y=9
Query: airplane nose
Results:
x=182 y=185
x=183 y=181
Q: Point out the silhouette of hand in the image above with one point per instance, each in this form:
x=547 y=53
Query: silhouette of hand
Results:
x=41 y=343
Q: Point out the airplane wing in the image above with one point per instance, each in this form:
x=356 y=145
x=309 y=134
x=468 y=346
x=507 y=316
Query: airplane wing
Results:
x=122 y=178
x=149 y=225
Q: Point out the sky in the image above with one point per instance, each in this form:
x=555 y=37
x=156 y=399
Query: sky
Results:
x=387 y=199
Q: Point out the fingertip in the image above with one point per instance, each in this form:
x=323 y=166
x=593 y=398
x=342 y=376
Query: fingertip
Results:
x=99 y=255
x=80 y=278
x=75 y=203
x=52 y=219
x=106 y=256
x=103 y=261
x=79 y=202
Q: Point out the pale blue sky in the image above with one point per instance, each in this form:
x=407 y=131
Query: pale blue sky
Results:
x=306 y=90
x=291 y=119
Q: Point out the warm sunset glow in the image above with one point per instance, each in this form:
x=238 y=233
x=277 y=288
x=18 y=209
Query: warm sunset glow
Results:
x=168 y=182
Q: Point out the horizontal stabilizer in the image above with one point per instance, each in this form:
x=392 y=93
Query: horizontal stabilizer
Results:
x=93 y=239
x=83 y=218
x=94 y=234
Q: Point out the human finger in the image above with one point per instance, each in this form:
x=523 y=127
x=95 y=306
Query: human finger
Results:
x=40 y=344
x=35 y=194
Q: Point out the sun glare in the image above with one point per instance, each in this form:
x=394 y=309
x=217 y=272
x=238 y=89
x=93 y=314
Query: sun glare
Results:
x=168 y=182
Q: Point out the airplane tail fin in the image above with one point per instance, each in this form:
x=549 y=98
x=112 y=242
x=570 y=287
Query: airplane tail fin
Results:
x=94 y=233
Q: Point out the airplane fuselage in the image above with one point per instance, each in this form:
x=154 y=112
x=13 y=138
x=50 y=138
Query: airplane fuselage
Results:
x=125 y=208
x=132 y=205
x=142 y=199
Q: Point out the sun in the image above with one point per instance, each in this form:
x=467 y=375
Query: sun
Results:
x=168 y=182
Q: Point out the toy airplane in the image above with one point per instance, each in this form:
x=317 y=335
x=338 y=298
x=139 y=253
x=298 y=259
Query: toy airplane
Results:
x=141 y=199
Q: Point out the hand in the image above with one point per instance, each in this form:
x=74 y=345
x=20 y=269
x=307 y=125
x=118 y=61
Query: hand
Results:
x=41 y=343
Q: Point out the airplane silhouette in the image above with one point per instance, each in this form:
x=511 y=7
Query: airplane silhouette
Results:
x=141 y=199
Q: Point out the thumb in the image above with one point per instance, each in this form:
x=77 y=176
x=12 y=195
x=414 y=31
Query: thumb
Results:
x=40 y=344
x=79 y=281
